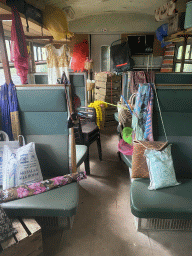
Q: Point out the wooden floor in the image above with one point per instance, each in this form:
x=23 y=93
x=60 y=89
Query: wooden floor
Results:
x=104 y=225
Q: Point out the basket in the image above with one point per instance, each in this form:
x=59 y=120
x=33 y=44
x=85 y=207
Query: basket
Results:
x=125 y=148
x=88 y=65
x=90 y=86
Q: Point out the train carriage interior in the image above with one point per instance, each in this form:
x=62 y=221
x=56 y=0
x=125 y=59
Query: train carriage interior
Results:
x=95 y=127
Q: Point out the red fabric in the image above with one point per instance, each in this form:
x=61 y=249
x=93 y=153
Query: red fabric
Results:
x=19 y=54
x=80 y=53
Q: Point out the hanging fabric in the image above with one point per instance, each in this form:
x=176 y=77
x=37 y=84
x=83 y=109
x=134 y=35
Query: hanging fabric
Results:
x=57 y=62
x=142 y=114
x=14 y=111
x=5 y=111
x=80 y=54
x=19 y=54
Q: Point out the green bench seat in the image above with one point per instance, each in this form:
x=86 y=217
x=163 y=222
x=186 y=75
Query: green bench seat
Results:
x=44 y=120
x=167 y=203
x=172 y=203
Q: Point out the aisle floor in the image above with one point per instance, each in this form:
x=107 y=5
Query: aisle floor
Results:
x=104 y=225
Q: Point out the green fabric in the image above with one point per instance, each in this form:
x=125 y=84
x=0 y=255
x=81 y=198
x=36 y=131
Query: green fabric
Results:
x=167 y=203
x=62 y=201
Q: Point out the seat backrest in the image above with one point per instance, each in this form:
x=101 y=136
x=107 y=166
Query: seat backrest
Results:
x=78 y=80
x=176 y=107
x=43 y=117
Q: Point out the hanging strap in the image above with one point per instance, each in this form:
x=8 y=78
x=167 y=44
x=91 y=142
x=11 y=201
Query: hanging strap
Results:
x=160 y=112
x=127 y=105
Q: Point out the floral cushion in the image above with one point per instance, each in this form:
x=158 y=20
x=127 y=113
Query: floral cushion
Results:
x=6 y=228
x=39 y=187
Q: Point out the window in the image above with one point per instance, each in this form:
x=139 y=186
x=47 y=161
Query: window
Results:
x=14 y=76
x=105 y=58
x=185 y=64
x=40 y=58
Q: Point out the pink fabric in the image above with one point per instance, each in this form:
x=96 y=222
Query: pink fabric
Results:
x=40 y=187
x=80 y=53
x=19 y=54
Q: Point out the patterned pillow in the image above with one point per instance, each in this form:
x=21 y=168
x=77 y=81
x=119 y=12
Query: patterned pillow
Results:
x=6 y=228
x=161 y=170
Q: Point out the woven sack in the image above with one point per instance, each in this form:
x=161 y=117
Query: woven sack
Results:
x=139 y=164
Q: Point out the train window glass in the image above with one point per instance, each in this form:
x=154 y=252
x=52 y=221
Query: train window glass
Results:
x=105 y=58
x=187 y=68
x=187 y=52
x=7 y=43
x=40 y=58
x=178 y=67
x=35 y=53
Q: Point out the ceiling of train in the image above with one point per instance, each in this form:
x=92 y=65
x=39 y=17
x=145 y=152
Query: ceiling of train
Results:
x=81 y=8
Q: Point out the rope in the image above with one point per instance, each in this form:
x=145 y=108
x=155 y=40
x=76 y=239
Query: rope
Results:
x=160 y=113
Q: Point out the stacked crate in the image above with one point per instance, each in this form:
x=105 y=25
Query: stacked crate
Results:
x=108 y=89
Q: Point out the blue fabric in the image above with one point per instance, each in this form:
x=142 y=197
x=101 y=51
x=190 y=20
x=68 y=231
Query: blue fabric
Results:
x=12 y=98
x=142 y=114
x=5 y=111
x=161 y=32
x=161 y=169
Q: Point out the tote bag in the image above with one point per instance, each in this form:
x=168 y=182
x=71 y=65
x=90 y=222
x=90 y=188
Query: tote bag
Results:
x=13 y=145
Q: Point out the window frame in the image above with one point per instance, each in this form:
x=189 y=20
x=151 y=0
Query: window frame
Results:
x=183 y=61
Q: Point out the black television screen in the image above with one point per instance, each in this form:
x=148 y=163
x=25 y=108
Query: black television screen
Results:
x=141 y=44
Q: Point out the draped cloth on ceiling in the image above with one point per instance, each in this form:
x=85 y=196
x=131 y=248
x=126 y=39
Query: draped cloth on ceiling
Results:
x=57 y=62
x=80 y=53
x=19 y=54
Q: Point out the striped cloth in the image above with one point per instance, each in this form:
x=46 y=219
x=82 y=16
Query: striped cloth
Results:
x=142 y=114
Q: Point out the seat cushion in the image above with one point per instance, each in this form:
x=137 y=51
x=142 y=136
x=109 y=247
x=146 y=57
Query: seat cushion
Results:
x=81 y=154
x=127 y=160
x=166 y=203
x=59 y=202
x=89 y=127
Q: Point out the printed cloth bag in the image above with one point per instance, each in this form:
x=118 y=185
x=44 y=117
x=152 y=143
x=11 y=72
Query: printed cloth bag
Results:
x=13 y=145
x=20 y=166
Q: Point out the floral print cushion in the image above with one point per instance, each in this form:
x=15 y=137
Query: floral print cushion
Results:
x=39 y=187
x=6 y=228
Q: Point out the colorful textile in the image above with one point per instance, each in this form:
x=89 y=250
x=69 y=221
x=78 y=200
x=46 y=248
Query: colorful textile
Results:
x=80 y=54
x=57 y=62
x=19 y=54
x=137 y=77
x=5 y=111
x=142 y=114
x=6 y=229
x=14 y=111
x=40 y=187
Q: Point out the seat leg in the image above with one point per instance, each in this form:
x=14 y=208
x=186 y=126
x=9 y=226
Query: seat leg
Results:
x=86 y=162
x=99 y=148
